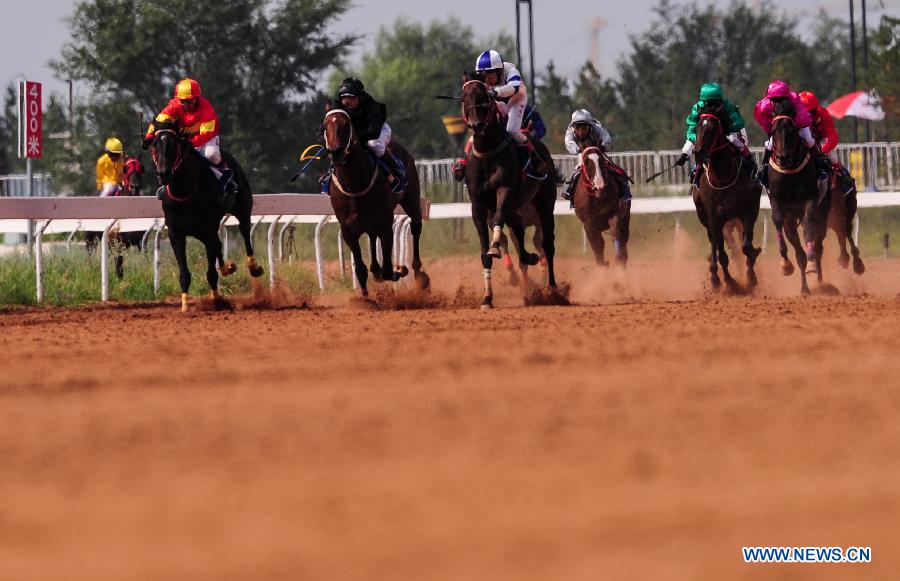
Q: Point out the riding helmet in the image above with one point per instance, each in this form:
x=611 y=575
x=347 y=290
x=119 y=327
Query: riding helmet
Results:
x=113 y=145
x=351 y=87
x=187 y=89
x=711 y=92
x=809 y=100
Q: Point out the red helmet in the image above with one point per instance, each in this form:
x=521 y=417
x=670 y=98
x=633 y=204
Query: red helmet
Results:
x=187 y=89
x=809 y=100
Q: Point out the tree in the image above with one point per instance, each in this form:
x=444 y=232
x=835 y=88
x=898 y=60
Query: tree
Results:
x=884 y=70
x=412 y=63
x=740 y=47
x=258 y=61
x=555 y=105
x=600 y=97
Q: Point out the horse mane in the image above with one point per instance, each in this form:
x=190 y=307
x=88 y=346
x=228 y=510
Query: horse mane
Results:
x=784 y=108
x=718 y=112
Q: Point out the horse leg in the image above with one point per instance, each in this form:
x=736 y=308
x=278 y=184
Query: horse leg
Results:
x=537 y=239
x=787 y=267
x=794 y=237
x=179 y=247
x=858 y=266
x=623 y=232
x=500 y=217
x=526 y=259
x=750 y=252
x=374 y=266
x=213 y=247
x=244 y=227
x=120 y=265
x=507 y=261
x=387 y=251
x=547 y=231
x=359 y=266
x=809 y=234
x=713 y=254
x=480 y=217
x=420 y=276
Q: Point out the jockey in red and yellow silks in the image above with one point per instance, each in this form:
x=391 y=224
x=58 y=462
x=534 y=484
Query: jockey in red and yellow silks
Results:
x=199 y=124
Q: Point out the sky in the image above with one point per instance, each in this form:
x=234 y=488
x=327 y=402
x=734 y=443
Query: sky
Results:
x=33 y=31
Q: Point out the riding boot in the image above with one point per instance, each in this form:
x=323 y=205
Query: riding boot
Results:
x=750 y=164
x=397 y=172
x=624 y=189
x=695 y=175
x=762 y=175
x=325 y=181
x=848 y=184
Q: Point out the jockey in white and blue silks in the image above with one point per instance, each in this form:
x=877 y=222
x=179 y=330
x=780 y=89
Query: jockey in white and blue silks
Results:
x=505 y=83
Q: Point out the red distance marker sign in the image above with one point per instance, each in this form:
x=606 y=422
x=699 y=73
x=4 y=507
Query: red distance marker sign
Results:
x=33 y=121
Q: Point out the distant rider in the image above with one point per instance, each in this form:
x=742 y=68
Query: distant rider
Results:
x=584 y=131
x=111 y=168
x=826 y=136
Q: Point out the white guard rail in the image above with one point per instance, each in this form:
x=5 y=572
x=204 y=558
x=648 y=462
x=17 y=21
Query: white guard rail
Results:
x=70 y=215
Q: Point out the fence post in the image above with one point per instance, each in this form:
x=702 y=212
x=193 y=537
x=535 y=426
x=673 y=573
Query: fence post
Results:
x=39 y=260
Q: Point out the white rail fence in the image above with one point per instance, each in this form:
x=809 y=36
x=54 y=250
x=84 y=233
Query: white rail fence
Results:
x=277 y=211
x=879 y=166
x=16 y=185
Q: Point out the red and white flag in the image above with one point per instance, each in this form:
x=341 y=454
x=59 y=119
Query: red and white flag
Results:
x=859 y=104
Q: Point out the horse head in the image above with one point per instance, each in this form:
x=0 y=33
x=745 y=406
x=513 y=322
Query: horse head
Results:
x=591 y=170
x=133 y=176
x=785 y=135
x=710 y=135
x=478 y=108
x=339 y=135
x=168 y=150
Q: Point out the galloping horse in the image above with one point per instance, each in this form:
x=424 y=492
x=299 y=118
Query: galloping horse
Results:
x=726 y=192
x=193 y=205
x=497 y=184
x=596 y=199
x=796 y=197
x=364 y=203
x=840 y=219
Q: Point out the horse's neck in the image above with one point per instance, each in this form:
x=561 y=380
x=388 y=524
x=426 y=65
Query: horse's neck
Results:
x=723 y=162
x=493 y=136
x=356 y=173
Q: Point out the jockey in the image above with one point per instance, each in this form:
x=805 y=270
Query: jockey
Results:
x=826 y=136
x=584 y=131
x=505 y=84
x=111 y=168
x=712 y=97
x=200 y=124
x=369 y=120
x=764 y=113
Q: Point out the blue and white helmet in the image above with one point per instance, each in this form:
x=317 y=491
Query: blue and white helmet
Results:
x=489 y=60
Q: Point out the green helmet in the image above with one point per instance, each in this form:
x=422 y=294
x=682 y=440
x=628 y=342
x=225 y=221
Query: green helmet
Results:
x=711 y=92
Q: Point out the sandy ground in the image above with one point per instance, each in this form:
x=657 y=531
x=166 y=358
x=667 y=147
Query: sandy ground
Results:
x=648 y=433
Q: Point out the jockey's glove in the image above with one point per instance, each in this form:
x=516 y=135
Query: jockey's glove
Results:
x=145 y=145
x=492 y=93
x=683 y=159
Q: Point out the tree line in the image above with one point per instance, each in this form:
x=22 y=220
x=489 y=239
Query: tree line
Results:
x=269 y=67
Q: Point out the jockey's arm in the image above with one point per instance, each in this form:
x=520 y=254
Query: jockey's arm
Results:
x=513 y=83
x=571 y=145
x=601 y=135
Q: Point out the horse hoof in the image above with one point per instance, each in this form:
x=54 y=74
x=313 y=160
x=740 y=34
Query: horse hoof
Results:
x=494 y=252
x=787 y=268
x=751 y=278
x=844 y=261
x=229 y=268
x=804 y=290
x=422 y=279
x=811 y=268
x=858 y=266
x=403 y=271
x=184 y=302
x=530 y=259
x=714 y=280
x=488 y=304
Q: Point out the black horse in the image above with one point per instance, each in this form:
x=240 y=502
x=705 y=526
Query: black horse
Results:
x=797 y=196
x=727 y=191
x=497 y=184
x=193 y=205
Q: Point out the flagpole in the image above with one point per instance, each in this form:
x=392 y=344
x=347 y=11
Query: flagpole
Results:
x=853 y=68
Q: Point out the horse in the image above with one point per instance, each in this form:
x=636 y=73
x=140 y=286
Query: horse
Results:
x=796 y=197
x=726 y=192
x=132 y=175
x=597 y=205
x=193 y=205
x=840 y=219
x=496 y=183
x=530 y=219
x=364 y=203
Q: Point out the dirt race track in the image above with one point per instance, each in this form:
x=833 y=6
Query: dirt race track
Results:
x=648 y=433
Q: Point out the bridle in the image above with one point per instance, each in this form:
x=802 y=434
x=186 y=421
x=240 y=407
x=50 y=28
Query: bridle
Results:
x=782 y=160
x=719 y=143
x=179 y=159
x=491 y=106
x=350 y=143
x=585 y=177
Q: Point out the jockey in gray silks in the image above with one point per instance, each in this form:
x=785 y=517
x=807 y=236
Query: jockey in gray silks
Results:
x=584 y=131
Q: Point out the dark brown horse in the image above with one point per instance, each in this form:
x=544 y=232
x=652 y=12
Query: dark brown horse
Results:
x=797 y=197
x=726 y=192
x=364 y=203
x=497 y=184
x=193 y=205
x=840 y=219
x=596 y=199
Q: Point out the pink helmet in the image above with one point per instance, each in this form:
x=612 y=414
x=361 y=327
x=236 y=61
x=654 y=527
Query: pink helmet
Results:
x=778 y=89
